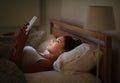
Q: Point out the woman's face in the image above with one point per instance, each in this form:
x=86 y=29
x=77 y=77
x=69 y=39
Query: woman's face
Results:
x=56 y=45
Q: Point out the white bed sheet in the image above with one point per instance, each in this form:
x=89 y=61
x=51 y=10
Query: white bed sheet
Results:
x=58 y=77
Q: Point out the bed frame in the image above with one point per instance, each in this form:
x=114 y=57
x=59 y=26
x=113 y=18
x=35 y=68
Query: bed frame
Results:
x=60 y=28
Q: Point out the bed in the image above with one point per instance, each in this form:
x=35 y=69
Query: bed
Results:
x=60 y=28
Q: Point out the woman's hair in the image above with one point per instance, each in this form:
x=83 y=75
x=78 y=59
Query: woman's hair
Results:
x=70 y=43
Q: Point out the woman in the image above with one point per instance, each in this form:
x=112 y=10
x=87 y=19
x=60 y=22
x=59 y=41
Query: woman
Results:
x=55 y=48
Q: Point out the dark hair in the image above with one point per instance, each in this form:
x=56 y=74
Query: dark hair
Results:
x=70 y=43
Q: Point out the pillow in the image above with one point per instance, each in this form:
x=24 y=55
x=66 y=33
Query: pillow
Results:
x=81 y=59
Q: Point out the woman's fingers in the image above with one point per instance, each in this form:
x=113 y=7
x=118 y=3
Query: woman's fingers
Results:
x=24 y=26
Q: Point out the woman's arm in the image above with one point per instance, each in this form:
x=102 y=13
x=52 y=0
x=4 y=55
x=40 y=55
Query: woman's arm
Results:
x=41 y=65
x=21 y=39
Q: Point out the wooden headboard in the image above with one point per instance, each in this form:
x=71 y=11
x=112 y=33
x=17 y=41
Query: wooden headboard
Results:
x=60 y=28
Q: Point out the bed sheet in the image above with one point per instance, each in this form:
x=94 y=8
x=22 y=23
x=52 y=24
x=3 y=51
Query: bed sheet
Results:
x=58 y=77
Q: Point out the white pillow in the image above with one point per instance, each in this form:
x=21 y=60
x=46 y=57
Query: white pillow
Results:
x=81 y=59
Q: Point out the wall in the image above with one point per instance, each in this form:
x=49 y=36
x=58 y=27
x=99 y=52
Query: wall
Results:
x=75 y=11
x=53 y=9
x=14 y=13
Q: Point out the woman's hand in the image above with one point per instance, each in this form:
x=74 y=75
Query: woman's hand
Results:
x=22 y=37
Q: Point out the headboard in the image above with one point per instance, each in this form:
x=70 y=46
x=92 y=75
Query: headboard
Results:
x=60 y=28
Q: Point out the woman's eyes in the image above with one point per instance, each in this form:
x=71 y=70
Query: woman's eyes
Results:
x=57 y=40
